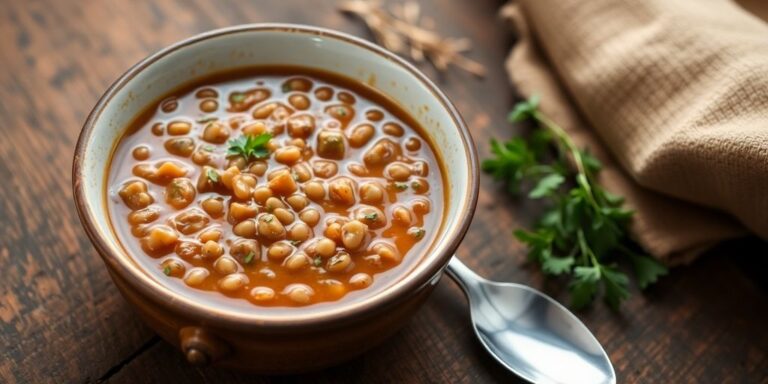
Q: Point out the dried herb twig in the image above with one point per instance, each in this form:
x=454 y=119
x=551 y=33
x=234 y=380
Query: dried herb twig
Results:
x=403 y=32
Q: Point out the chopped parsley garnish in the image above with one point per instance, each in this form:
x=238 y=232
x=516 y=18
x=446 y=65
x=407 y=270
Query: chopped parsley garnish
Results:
x=371 y=216
x=250 y=147
x=167 y=270
x=268 y=218
x=207 y=119
x=317 y=261
x=416 y=185
x=287 y=87
x=237 y=97
x=249 y=257
x=401 y=186
x=417 y=233
x=212 y=176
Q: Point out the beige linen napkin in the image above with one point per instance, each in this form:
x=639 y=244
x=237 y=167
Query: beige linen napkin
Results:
x=672 y=96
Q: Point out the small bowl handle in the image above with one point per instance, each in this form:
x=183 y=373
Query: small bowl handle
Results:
x=201 y=347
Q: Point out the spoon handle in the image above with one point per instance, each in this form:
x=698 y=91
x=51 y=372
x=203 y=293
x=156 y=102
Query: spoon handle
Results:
x=465 y=277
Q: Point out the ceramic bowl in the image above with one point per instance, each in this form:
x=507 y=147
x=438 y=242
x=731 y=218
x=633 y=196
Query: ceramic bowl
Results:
x=245 y=337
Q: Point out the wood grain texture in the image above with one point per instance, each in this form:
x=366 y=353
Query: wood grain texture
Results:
x=62 y=321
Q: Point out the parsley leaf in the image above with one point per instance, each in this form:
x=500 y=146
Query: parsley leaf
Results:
x=167 y=270
x=416 y=232
x=510 y=161
x=557 y=265
x=584 y=285
x=546 y=186
x=615 y=284
x=237 y=97
x=525 y=109
x=250 y=147
x=249 y=257
x=206 y=119
x=647 y=270
x=212 y=176
x=583 y=227
x=371 y=216
x=591 y=163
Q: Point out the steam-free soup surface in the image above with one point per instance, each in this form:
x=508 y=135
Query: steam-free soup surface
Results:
x=283 y=189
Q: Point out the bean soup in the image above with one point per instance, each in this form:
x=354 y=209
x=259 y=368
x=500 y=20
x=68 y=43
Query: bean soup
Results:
x=280 y=186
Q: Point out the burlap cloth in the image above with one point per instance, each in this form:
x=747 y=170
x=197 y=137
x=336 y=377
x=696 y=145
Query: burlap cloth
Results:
x=676 y=91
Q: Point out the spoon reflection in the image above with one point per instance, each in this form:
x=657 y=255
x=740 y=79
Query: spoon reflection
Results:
x=530 y=333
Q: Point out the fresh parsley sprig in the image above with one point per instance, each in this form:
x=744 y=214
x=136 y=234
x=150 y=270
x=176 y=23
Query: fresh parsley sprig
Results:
x=250 y=147
x=584 y=228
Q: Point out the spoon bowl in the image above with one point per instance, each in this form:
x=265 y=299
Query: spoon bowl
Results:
x=531 y=334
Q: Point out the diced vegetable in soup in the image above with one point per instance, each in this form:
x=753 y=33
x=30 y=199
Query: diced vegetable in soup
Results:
x=283 y=187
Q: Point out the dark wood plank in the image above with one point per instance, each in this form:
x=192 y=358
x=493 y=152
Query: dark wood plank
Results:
x=60 y=316
x=62 y=321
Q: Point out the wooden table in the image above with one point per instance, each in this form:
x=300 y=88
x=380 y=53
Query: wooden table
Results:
x=61 y=320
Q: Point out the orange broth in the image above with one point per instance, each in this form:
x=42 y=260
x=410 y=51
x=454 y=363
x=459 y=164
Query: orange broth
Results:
x=183 y=205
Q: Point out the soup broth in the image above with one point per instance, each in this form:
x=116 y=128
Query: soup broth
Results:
x=279 y=186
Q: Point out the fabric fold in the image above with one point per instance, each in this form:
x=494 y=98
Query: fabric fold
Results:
x=672 y=97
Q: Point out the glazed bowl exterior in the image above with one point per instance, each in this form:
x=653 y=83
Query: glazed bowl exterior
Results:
x=246 y=338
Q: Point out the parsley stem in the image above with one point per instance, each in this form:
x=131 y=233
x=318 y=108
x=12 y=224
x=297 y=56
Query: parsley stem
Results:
x=563 y=137
x=586 y=250
x=584 y=226
x=571 y=147
x=583 y=246
x=538 y=170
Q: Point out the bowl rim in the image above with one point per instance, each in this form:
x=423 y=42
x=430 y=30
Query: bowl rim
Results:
x=117 y=259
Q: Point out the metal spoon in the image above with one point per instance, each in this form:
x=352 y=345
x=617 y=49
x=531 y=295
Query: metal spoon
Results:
x=530 y=333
